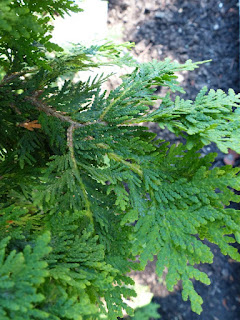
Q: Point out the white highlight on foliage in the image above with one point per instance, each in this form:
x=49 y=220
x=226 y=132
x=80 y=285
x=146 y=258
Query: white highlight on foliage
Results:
x=82 y=27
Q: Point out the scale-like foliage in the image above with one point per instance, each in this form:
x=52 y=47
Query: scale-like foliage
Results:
x=24 y=30
x=208 y=119
x=87 y=194
x=22 y=273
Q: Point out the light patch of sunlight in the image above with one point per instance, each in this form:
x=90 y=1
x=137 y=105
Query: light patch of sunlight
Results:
x=82 y=27
x=143 y=298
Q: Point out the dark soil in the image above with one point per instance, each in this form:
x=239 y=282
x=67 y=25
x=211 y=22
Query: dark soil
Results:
x=197 y=30
x=179 y=29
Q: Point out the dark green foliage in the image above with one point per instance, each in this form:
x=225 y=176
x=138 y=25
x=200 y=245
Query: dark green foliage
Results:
x=86 y=193
x=24 y=31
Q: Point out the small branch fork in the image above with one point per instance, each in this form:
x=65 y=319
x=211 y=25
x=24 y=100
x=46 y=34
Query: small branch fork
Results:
x=52 y=112
x=73 y=125
x=9 y=77
x=42 y=106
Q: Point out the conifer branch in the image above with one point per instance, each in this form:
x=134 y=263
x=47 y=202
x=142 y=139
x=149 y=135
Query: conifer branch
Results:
x=70 y=141
x=52 y=112
x=77 y=174
x=42 y=106
x=114 y=102
x=140 y=197
x=134 y=167
x=9 y=77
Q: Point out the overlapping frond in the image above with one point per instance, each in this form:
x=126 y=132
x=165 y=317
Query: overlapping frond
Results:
x=21 y=275
x=210 y=118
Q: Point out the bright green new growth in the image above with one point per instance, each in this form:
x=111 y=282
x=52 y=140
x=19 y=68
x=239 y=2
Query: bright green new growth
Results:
x=88 y=195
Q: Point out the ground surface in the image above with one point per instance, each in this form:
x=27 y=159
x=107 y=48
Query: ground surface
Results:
x=197 y=30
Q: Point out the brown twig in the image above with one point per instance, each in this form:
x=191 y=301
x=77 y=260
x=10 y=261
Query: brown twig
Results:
x=9 y=77
x=12 y=106
x=70 y=136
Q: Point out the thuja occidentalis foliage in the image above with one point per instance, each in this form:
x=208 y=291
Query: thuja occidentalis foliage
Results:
x=88 y=194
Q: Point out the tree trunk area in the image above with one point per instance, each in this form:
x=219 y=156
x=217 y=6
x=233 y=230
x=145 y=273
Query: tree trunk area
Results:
x=182 y=30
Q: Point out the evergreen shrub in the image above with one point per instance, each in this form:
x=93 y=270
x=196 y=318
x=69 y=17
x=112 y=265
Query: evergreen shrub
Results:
x=87 y=194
